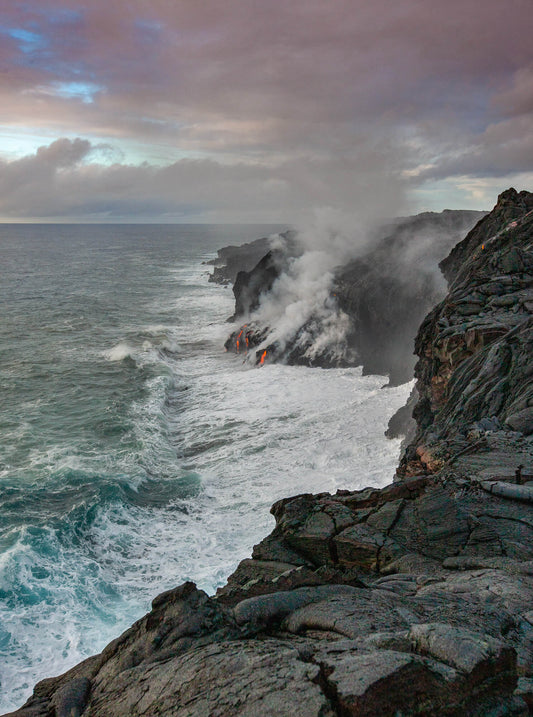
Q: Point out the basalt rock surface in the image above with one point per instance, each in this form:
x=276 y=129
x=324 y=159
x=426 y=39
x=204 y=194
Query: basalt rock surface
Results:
x=231 y=260
x=413 y=599
x=382 y=296
x=475 y=368
x=399 y=601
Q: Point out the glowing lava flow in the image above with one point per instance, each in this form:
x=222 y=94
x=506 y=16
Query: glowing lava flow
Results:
x=238 y=341
x=263 y=357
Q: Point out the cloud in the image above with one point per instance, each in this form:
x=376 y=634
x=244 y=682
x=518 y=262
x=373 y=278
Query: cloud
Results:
x=278 y=84
x=503 y=149
x=59 y=180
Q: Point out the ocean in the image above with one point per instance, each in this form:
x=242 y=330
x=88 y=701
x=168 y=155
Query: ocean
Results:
x=135 y=453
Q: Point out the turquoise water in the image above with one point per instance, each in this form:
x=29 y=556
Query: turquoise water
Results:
x=134 y=453
x=90 y=336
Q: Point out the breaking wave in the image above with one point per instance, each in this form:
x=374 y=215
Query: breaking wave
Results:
x=152 y=457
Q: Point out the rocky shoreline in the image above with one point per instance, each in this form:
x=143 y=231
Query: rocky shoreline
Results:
x=380 y=297
x=414 y=599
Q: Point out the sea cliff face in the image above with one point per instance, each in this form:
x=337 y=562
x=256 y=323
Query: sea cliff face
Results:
x=415 y=599
x=231 y=260
x=382 y=296
x=475 y=347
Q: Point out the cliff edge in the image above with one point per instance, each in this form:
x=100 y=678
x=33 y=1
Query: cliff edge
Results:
x=379 y=297
x=415 y=599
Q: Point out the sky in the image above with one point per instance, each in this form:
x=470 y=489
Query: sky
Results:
x=261 y=110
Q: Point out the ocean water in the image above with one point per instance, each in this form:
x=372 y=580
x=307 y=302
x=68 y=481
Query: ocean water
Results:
x=134 y=453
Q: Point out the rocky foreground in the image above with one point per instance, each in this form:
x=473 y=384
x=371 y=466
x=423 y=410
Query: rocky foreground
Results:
x=416 y=599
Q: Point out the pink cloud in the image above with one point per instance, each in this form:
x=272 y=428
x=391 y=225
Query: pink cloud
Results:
x=277 y=82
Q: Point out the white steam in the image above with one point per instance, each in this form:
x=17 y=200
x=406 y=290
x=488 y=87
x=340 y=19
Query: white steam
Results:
x=301 y=311
x=300 y=308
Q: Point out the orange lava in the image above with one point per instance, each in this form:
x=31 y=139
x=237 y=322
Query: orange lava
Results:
x=263 y=357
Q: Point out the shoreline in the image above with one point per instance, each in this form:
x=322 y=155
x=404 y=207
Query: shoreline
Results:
x=414 y=598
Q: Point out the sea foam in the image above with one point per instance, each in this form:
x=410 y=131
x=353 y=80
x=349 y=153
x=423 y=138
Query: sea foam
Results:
x=170 y=474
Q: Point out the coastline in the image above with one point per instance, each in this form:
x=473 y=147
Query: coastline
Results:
x=415 y=598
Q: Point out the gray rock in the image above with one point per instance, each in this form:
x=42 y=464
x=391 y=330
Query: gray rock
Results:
x=267 y=609
x=70 y=700
x=364 y=547
x=522 y=421
x=353 y=615
x=470 y=653
x=386 y=683
x=244 y=679
x=508 y=490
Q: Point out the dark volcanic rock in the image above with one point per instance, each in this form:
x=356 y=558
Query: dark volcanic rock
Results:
x=511 y=205
x=249 y=286
x=381 y=297
x=474 y=369
x=413 y=599
x=402 y=422
x=232 y=259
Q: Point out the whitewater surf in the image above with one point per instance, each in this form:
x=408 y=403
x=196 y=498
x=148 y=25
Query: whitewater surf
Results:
x=134 y=452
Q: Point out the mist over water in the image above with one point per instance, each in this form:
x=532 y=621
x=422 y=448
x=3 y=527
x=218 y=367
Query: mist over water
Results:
x=134 y=453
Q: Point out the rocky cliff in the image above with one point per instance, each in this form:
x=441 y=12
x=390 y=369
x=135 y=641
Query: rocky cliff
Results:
x=231 y=260
x=381 y=296
x=475 y=347
x=416 y=599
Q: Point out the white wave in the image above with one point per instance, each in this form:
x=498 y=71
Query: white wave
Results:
x=119 y=352
x=248 y=437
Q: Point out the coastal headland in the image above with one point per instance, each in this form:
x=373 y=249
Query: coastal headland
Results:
x=414 y=599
